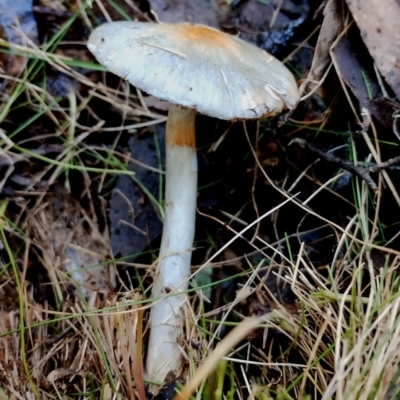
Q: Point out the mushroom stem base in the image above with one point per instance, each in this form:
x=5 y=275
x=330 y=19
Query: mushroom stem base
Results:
x=167 y=315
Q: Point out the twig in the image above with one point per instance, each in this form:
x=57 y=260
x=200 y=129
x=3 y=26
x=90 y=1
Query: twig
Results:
x=389 y=164
x=361 y=171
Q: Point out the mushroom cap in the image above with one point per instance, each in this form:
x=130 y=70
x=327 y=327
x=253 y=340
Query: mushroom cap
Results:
x=196 y=67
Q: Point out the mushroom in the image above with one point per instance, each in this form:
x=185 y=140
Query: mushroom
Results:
x=196 y=69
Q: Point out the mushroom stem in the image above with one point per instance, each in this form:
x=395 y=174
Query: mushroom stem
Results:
x=167 y=315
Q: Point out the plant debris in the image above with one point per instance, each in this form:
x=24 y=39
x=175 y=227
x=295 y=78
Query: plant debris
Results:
x=378 y=22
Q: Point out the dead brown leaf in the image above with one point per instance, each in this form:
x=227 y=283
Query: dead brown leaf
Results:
x=360 y=78
x=378 y=21
x=61 y=373
x=330 y=28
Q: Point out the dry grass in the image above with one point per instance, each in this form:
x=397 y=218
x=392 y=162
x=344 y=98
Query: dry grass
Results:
x=344 y=328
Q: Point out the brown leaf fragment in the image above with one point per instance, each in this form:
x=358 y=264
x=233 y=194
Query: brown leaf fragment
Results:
x=358 y=74
x=61 y=373
x=330 y=28
x=378 y=21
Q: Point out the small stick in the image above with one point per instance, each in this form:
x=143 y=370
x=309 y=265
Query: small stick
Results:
x=362 y=172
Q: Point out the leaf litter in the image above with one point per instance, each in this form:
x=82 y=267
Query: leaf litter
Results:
x=379 y=31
